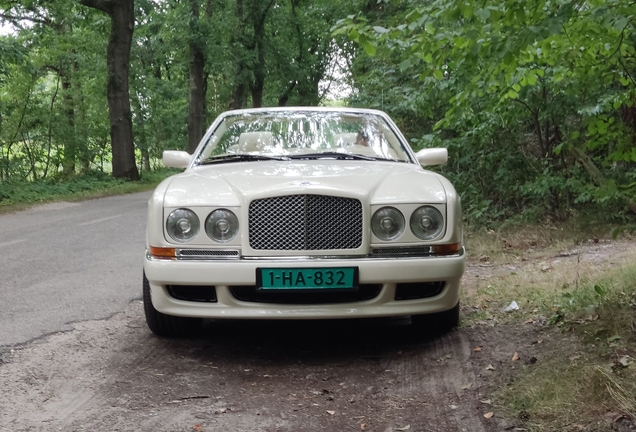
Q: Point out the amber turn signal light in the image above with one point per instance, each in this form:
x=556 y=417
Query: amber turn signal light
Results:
x=447 y=249
x=158 y=252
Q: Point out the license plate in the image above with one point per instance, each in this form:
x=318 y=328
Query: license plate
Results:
x=307 y=278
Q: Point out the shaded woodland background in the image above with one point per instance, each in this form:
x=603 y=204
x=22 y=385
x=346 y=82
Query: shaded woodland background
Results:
x=534 y=100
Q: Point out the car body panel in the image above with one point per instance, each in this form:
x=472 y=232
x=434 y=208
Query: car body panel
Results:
x=233 y=185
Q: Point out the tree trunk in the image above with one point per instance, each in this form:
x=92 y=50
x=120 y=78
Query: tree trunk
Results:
x=238 y=39
x=238 y=95
x=70 y=153
x=122 y=15
x=259 y=69
x=196 y=112
x=259 y=44
x=283 y=98
x=145 y=160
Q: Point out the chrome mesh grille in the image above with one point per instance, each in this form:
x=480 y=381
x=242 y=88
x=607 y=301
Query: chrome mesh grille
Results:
x=207 y=254
x=403 y=250
x=305 y=222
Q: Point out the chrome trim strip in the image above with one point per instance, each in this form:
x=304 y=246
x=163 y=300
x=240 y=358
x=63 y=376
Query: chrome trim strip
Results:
x=202 y=255
x=301 y=258
x=336 y=257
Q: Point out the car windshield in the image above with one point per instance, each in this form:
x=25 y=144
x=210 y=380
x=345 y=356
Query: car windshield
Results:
x=290 y=134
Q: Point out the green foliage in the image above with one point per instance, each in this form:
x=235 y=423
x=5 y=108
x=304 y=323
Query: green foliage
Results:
x=92 y=184
x=535 y=99
x=54 y=120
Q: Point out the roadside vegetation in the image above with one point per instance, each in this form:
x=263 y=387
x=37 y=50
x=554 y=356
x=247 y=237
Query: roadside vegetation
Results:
x=580 y=287
x=19 y=195
x=534 y=101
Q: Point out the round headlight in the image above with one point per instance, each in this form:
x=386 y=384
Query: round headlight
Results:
x=387 y=223
x=182 y=225
x=221 y=225
x=427 y=222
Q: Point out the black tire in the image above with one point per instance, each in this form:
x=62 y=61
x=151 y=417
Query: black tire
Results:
x=437 y=323
x=167 y=325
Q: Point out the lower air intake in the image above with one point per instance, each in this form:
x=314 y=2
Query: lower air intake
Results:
x=193 y=293
x=418 y=290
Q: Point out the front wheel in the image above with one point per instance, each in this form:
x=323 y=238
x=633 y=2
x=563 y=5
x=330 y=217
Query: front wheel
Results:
x=436 y=323
x=166 y=325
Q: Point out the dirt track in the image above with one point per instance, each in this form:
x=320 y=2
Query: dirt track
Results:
x=369 y=375
x=114 y=375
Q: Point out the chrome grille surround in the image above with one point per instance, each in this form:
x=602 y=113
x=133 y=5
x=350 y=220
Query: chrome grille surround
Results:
x=305 y=222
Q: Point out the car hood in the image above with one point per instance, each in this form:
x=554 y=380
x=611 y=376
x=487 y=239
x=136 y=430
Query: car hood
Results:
x=234 y=184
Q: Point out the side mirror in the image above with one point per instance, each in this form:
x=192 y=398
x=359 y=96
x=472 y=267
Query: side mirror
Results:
x=176 y=159
x=432 y=156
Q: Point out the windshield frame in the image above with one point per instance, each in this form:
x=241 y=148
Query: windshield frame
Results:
x=219 y=122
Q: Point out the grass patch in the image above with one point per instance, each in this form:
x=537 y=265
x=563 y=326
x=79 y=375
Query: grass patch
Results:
x=529 y=241
x=574 y=395
x=581 y=285
x=19 y=195
x=578 y=287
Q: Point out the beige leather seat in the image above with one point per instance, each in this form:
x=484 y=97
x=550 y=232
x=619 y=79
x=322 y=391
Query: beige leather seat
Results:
x=255 y=141
x=345 y=139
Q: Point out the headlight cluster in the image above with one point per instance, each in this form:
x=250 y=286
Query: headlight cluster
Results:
x=183 y=225
x=388 y=223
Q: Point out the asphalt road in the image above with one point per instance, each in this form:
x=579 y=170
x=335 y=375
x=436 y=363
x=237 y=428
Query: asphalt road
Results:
x=67 y=262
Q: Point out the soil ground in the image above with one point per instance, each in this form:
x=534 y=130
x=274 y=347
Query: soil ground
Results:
x=362 y=375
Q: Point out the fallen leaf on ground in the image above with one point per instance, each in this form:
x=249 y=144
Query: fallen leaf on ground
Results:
x=529 y=321
x=407 y=427
x=330 y=412
x=362 y=425
x=197 y=428
x=489 y=414
x=467 y=386
x=223 y=410
x=486 y=401
x=477 y=349
x=515 y=356
x=490 y=367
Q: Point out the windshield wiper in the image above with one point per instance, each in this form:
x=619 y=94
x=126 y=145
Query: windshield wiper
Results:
x=336 y=155
x=240 y=158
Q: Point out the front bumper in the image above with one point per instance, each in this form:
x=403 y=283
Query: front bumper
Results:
x=224 y=273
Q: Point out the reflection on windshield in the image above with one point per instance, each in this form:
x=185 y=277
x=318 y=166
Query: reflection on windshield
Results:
x=299 y=134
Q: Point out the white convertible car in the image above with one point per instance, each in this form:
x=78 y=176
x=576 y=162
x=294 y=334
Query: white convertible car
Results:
x=303 y=213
